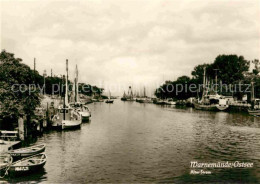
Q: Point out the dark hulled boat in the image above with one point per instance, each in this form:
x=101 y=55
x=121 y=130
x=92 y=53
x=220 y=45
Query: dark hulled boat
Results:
x=28 y=164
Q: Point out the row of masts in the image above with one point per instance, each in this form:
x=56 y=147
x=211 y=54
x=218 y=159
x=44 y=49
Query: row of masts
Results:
x=206 y=83
x=75 y=89
x=131 y=94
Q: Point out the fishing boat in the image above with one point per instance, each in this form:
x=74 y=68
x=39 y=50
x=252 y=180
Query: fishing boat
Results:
x=144 y=98
x=84 y=112
x=208 y=101
x=207 y=107
x=124 y=98
x=223 y=104
x=109 y=100
x=28 y=151
x=129 y=96
x=28 y=164
x=81 y=108
x=67 y=117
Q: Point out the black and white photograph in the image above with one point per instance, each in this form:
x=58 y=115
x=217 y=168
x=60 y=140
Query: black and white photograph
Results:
x=130 y=91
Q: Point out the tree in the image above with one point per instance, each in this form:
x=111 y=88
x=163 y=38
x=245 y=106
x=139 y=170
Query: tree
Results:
x=198 y=72
x=15 y=97
x=256 y=70
x=231 y=68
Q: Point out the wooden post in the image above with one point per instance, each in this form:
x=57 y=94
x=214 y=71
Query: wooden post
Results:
x=21 y=128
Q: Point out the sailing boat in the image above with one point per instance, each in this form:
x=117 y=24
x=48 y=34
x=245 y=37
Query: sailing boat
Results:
x=124 y=98
x=143 y=99
x=109 y=100
x=207 y=102
x=67 y=117
x=129 y=97
x=77 y=105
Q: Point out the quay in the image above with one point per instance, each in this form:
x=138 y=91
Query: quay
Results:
x=8 y=140
x=7 y=145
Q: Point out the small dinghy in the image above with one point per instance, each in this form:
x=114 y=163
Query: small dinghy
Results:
x=28 y=151
x=109 y=101
x=28 y=164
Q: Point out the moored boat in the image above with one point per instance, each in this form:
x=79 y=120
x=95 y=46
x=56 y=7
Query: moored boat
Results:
x=223 y=104
x=206 y=107
x=109 y=100
x=170 y=101
x=68 y=117
x=160 y=102
x=85 y=113
x=5 y=161
x=28 y=164
x=68 y=124
x=128 y=97
x=28 y=151
x=83 y=110
x=209 y=99
x=222 y=107
x=254 y=112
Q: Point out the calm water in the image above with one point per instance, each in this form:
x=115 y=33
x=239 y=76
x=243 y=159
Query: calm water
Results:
x=132 y=142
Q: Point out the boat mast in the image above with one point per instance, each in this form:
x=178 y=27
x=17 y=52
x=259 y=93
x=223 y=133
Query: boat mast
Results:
x=76 y=84
x=216 y=80
x=63 y=79
x=66 y=91
x=204 y=82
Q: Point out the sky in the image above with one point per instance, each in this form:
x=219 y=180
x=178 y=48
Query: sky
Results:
x=117 y=43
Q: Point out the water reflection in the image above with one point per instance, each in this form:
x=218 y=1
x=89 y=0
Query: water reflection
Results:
x=132 y=142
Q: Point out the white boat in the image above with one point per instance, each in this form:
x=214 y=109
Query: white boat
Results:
x=67 y=117
x=71 y=124
x=85 y=114
x=223 y=104
x=170 y=101
x=222 y=107
x=83 y=110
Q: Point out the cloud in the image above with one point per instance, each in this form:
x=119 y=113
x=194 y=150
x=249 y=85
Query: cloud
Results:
x=131 y=42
